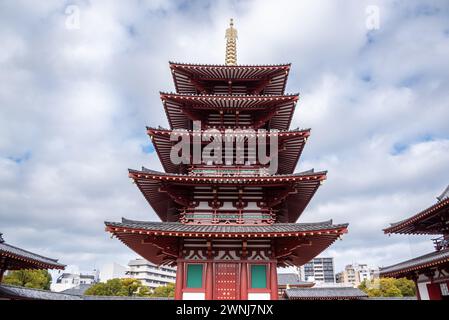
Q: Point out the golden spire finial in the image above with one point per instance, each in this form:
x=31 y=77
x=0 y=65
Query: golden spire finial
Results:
x=231 y=44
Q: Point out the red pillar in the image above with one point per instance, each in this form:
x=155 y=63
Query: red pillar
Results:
x=209 y=281
x=418 y=295
x=274 y=281
x=244 y=281
x=179 y=280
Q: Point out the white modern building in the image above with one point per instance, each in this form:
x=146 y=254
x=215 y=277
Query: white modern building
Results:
x=355 y=273
x=112 y=271
x=150 y=274
x=71 y=280
x=318 y=270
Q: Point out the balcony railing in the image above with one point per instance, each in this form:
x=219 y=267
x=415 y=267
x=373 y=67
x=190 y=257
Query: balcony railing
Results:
x=206 y=216
x=440 y=243
x=230 y=171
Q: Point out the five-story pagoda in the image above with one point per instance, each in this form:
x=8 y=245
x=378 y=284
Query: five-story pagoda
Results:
x=228 y=220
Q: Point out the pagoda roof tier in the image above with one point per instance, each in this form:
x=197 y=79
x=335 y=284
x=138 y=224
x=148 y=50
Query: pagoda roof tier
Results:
x=195 y=78
x=291 y=145
x=417 y=265
x=14 y=258
x=167 y=192
x=275 y=109
x=158 y=242
x=433 y=220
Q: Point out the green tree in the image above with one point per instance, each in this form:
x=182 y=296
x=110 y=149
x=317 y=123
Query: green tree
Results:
x=36 y=279
x=407 y=287
x=119 y=287
x=165 y=291
x=388 y=287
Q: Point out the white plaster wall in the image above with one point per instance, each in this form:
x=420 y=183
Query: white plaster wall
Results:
x=193 y=296
x=259 y=296
x=423 y=293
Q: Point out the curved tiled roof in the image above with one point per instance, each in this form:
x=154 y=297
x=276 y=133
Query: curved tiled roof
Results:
x=410 y=225
x=29 y=258
x=292 y=279
x=277 y=65
x=17 y=292
x=23 y=293
x=427 y=260
x=240 y=229
x=325 y=293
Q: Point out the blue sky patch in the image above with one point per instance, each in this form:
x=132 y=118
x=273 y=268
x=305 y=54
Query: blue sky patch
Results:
x=401 y=147
x=20 y=159
x=148 y=148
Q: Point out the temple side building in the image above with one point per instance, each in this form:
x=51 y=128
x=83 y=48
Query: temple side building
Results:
x=430 y=272
x=228 y=223
x=15 y=258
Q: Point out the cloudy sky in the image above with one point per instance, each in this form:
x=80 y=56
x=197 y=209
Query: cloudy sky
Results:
x=79 y=82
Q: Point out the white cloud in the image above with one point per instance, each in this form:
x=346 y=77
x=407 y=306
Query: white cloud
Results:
x=74 y=105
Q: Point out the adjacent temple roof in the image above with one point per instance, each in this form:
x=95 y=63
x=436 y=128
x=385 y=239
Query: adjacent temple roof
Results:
x=428 y=260
x=292 y=279
x=325 y=293
x=432 y=220
x=13 y=258
x=23 y=293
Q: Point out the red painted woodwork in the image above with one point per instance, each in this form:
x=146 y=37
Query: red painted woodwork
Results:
x=209 y=281
x=273 y=282
x=179 y=280
x=243 y=281
x=224 y=216
x=226 y=281
x=434 y=291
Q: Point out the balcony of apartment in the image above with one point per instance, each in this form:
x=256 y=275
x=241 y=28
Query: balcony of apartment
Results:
x=228 y=216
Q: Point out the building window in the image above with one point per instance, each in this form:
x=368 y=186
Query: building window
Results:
x=194 y=276
x=258 y=276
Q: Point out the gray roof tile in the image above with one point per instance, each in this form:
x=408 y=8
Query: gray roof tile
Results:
x=180 y=227
x=16 y=292
x=7 y=248
x=325 y=293
x=415 y=263
x=291 y=279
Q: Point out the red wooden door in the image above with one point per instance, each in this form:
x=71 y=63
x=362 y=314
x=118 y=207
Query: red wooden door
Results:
x=226 y=281
x=434 y=291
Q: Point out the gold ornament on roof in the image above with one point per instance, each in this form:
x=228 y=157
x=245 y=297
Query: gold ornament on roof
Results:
x=231 y=45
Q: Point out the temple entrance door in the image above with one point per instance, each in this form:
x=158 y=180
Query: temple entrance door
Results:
x=226 y=281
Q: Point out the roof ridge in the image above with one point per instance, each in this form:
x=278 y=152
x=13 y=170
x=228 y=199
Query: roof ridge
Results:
x=229 y=66
x=229 y=95
x=34 y=254
x=297 y=174
x=160 y=128
x=326 y=222
x=433 y=206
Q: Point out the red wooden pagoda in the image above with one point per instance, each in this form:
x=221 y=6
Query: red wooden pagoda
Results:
x=430 y=272
x=227 y=226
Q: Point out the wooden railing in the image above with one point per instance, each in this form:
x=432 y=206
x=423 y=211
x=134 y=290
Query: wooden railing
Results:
x=229 y=171
x=208 y=216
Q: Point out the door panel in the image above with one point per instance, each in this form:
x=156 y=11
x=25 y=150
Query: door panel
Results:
x=226 y=281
